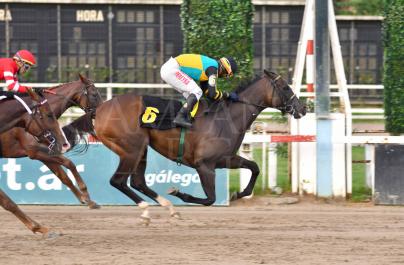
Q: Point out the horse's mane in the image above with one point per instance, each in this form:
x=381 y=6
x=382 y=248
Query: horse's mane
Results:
x=78 y=130
x=245 y=84
x=58 y=86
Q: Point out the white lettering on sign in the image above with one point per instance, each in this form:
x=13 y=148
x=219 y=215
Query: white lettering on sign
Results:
x=51 y=182
x=171 y=177
x=89 y=16
x=5 y=15
x=11 y=168
x=44 y=182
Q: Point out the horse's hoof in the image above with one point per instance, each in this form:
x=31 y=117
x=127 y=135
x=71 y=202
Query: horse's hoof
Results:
x=176 y=215
x=173 y=191
x=93 y=205
x=52 y=235
x=145 y=220
x=234 y=196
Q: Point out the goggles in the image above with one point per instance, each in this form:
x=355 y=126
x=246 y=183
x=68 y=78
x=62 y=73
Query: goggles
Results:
x=26 y=66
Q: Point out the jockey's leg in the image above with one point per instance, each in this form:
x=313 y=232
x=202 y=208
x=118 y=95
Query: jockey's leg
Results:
x=207 y=176
x=171 y=74
x=183 y=117
x=240 y=162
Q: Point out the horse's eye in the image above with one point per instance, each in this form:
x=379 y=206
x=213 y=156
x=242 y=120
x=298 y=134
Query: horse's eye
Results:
x=50 y=115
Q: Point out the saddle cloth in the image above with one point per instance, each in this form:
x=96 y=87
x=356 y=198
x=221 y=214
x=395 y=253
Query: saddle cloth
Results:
x=159 y=113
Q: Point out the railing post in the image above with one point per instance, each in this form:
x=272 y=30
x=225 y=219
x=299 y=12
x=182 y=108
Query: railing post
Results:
x=109 y=93
x=370 y=167
x=272 y=166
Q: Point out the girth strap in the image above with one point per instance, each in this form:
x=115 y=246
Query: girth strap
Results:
x=181 y=147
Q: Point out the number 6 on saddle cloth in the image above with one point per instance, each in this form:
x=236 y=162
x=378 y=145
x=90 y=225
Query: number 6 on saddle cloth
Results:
x=159 y=113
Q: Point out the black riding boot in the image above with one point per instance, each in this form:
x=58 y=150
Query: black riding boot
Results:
x=183 y=118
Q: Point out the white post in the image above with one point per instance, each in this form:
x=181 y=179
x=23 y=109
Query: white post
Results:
x=297 y=82
x=272 y=166
x=264 y=164
x=370 y=167
x=109 y=93
x=245 y=174
x=342 y=86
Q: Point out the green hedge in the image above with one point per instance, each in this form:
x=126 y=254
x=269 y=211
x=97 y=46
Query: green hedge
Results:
x=393 y=79
x=219 y=28
x=359 y=7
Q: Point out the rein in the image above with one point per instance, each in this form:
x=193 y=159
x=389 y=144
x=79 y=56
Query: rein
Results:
x=46 y=134
x=85 y=92
x=288 y=103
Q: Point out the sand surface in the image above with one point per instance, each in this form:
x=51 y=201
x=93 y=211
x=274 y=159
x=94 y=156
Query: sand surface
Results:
x=259 y=231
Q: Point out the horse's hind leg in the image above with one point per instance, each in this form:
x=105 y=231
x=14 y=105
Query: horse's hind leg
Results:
x=240 y=162
x=207 y=176
x=10 y=206
x=138 y=182
x=119 y=180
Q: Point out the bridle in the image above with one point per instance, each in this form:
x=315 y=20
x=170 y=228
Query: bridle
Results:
x=85 y=93
x=45 y=134
x=288 y=102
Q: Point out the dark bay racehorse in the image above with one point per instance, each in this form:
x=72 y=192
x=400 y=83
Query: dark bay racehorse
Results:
x=41 y=123
x=17 y=143
x=38 y=120
x=211 y=143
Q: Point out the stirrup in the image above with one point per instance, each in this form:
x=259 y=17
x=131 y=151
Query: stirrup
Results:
x=182 y=122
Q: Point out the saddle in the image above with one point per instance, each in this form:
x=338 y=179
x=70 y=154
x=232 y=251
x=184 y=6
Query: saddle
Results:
x=159 y=113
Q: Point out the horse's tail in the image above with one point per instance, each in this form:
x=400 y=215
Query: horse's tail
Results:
x=78 y=130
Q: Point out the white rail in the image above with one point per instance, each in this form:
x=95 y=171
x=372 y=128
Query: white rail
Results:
x=373 y=113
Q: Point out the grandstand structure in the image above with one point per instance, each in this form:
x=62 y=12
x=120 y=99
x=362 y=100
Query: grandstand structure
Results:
x=127 y=41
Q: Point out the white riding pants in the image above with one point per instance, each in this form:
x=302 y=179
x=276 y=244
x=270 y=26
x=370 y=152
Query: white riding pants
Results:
x=170 y=72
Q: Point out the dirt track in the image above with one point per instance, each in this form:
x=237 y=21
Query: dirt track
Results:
x=254 y=232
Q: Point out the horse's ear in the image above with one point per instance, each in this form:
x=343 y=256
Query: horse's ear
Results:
x=270 y=74
x=83 y=79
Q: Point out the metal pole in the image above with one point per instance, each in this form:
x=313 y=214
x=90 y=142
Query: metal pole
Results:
x=263 y=34
x=161 y=57
x=59 y=42
x=351 y=53
x=7 y=31
x=324 y=132
x=110 y=59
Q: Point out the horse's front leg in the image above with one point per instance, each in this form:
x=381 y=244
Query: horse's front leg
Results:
x=10 y=206
x=54 y=164
x=207 y=176
x=235 y=162
x=82 y=194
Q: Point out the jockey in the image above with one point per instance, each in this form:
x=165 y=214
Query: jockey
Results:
x=183 y=71
x=21 y=62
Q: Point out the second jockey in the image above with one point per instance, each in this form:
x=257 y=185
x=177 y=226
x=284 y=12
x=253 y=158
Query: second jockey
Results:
x=183 y=71
x=21 y=63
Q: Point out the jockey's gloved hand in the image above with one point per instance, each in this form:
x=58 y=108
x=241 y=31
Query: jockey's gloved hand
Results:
x=231 y=96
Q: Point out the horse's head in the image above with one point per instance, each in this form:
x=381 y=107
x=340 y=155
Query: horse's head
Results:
x=90 y=98
x=43 y=124
x=283 y=98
